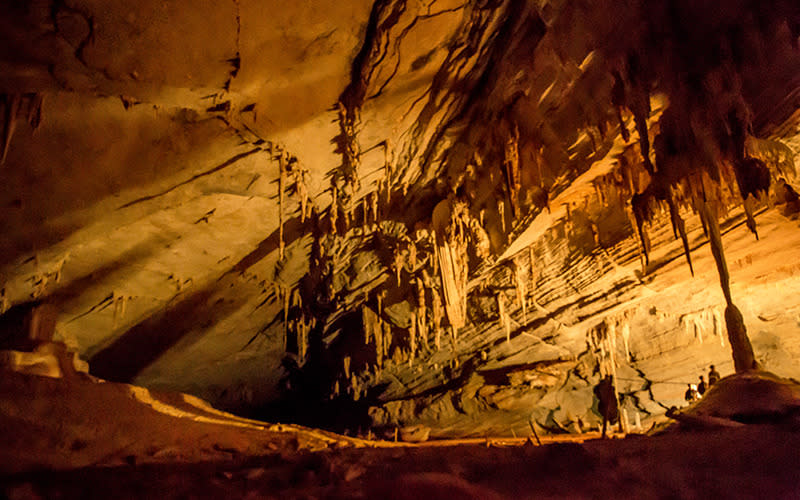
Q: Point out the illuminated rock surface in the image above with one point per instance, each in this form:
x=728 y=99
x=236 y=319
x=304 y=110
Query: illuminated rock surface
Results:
x=368 y=216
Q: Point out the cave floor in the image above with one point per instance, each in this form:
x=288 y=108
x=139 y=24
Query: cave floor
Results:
x=757 y=461
x=82 y=438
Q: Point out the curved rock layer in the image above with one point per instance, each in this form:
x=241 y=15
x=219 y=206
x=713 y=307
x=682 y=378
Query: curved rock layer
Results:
x=457 y=215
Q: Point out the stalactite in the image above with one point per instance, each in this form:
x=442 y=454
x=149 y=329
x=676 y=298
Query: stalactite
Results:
x=505 y=321
x=302 y=340
x=373 y=197
x=626 y=336
x=349 y=147
x=281 y=188
x=398 y=263
x=451 y=284
x=412 y=337
x=680 y=226
x=387 y=338
x=367 y=322
x=531 y=263
x=718 y=326
x=4 y=302
x=301 y=185
x=512 y=169
x=284 y=291
x=422 y=321
x=522 y=292
x=11 y=104
x=753 y=181
x=120 y=306
x=412 y=256
x=354 y=384
x=334 y=210
x=640 y=204
x=501 y=209
x=618 y=100
x=436 y=304
x=380 y=348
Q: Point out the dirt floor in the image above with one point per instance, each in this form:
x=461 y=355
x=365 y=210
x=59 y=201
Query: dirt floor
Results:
x=84 y=439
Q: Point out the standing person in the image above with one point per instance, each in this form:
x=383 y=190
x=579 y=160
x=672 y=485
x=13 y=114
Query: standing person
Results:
x=607 y=401
x=713 y=376
x=701 y=387
x=691 y=393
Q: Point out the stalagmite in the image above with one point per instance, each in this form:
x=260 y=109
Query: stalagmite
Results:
x=743 y=356
x=501 y=208
x=346 y=363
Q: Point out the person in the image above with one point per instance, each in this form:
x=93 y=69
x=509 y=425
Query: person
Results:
x=701 y=387
x=607 y=401
x=713 y=376
x=691 y=393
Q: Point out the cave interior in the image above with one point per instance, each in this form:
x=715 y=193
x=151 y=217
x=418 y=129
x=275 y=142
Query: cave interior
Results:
x=395 y=248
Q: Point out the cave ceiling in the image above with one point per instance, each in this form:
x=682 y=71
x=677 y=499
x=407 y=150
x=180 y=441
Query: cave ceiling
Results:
x=436 y=210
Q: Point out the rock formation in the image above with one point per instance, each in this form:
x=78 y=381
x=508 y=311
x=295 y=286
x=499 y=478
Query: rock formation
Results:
x=458 y=215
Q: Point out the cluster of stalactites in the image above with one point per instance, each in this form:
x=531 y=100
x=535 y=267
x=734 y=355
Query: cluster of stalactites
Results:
x=290 y=168
x=460 y=233
x=698 y=324
x=13 y=107
x=603 y=341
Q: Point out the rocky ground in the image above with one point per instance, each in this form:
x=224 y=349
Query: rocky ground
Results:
x=87 y=439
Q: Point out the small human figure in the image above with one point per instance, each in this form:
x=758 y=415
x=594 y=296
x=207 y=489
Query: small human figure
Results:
x=691 y=393
x=713 y=376
x=701 y=387
x=607 y=404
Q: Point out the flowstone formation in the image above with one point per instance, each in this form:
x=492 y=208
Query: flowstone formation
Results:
x=456 y=216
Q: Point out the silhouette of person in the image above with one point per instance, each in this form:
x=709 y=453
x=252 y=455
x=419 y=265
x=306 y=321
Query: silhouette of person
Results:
x=607 y=404
x=701 y=387
x=713 y=376
x=691 y=393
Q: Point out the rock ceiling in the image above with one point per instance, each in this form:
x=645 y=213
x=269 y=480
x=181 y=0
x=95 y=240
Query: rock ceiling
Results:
x=436 y=212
